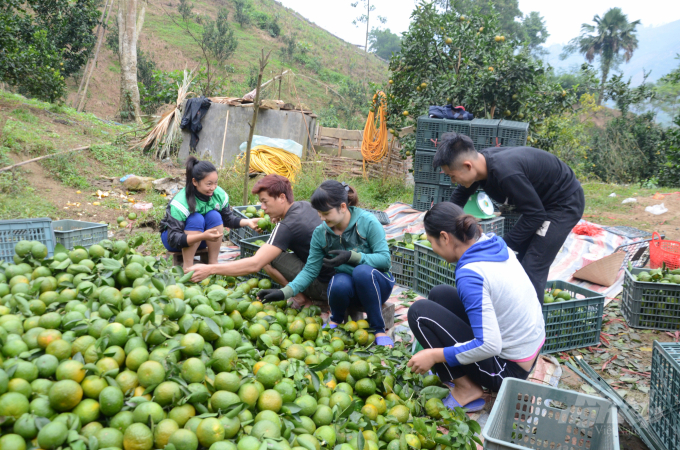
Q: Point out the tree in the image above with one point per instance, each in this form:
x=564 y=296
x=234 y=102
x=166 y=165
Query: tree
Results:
x=448 y=58
x=384 y=43
x=365 y=17
x=130 y=23
x=243 y=9
x=610 y=35
x=43 y=42
x=216 y=40
x=514 y=25
x=534 y=32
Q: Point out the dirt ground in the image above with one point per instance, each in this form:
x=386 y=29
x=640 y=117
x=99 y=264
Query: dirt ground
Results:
x=636 y=216
x=624 y=360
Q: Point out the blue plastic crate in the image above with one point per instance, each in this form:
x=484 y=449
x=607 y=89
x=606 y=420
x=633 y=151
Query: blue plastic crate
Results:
x=484 y=132
x=513 y=134
x=13 y=231
x=429 y=131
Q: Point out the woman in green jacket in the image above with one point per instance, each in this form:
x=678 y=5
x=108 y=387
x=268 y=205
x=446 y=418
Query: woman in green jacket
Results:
x=196 y=216
x=351 y=241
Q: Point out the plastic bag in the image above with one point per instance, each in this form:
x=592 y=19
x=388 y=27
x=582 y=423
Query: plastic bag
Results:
x=285 y=144
x=629 y=200
x=656 y=209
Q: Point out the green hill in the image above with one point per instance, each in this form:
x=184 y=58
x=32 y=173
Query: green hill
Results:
x=327 y=63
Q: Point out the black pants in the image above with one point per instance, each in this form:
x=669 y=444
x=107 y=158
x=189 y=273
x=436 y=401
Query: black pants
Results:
x=538 y=253
x=441 y=321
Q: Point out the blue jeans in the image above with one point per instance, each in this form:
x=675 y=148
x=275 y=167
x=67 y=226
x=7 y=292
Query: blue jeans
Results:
x=196 y=222
x=367 y=287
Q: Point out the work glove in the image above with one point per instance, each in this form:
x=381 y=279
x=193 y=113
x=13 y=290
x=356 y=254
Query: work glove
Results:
x=343 y=257
x=271 y=295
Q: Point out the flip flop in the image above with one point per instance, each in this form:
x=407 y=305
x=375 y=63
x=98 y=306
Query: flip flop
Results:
x=475 y=405
x=384 y=340
x=449 y=384
x=329 y=326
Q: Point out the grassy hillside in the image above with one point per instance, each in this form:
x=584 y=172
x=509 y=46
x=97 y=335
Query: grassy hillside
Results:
x=332 y=60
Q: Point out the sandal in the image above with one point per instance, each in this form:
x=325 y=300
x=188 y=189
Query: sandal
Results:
x=475 y=405
x=329 y=326
x=384 y=340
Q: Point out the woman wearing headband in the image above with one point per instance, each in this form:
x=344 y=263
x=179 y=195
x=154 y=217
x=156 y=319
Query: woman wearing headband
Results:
x=352 y=242
x=196 y=216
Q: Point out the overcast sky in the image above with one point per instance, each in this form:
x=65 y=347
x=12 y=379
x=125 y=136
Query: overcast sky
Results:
x=562 y=19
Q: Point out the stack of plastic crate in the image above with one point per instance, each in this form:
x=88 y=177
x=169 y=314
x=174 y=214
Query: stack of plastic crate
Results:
x=432 y=185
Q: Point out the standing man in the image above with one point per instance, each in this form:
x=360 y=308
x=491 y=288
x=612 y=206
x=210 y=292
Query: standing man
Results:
x=538 y=184
x=295 y=224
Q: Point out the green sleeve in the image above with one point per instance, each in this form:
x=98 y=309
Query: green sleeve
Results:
x=312 y=267
x=379 y=257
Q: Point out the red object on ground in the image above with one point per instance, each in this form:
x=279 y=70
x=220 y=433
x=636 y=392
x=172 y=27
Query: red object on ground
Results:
x=663 y=251
x=587 y=229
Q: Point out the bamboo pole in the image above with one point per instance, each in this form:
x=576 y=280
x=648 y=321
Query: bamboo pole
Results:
x=256 y=108
x=43 y=157
x=224 y=138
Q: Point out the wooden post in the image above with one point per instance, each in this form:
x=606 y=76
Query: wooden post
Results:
x=256 y=105
x=224 y=138
x=339 y=146
x=280 y=80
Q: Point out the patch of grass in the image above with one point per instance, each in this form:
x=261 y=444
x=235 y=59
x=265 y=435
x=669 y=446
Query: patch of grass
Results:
x=599 y=202
x=24 y=115
x=118 y=161
x=68 y=169
x=152 y=244
x=153 y=216
x=25 y=205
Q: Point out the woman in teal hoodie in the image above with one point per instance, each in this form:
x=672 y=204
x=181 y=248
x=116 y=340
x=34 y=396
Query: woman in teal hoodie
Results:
x=351 y=241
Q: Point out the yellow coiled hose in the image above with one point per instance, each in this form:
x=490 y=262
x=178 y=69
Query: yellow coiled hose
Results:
x=264 y=158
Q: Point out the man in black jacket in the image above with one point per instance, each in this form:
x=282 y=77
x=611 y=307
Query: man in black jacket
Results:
x=538 y=184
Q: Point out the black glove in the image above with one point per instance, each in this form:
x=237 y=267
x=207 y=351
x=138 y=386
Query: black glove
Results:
x=271 y=295
x=342 y=258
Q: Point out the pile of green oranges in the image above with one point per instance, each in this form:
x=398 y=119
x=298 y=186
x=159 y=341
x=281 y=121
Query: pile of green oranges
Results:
x=103 y=348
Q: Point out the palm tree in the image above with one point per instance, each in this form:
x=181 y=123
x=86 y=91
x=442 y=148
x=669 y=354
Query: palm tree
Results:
x=611 y=34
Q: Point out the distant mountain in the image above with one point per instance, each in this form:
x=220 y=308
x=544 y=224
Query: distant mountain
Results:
x=657 y=49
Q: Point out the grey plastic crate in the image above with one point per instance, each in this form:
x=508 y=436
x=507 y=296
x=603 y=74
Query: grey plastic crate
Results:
x=484 y=132
x=423 y=172
x=528 y=415
x=424 y=196
x=429 y=131
x=74 y=233
x=664 y=394
x=13 y=231
x=238 y=234
x=248 y=249
x=403 y=265
x=380 y=215
x=575 y=323
x=649 y=304
x=512 y=134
